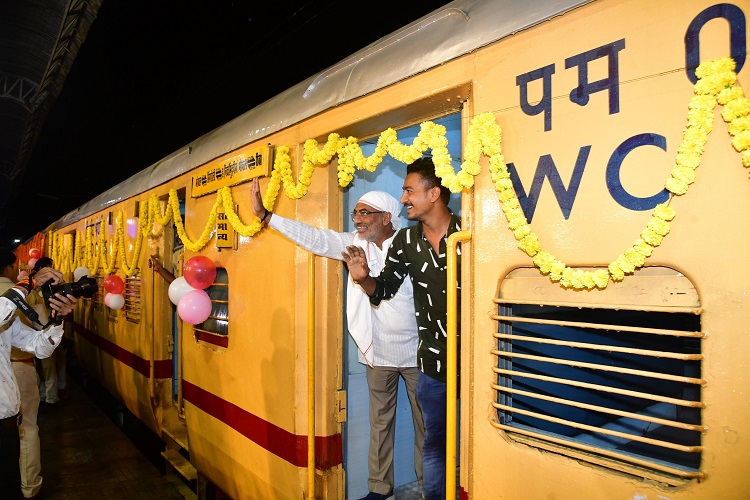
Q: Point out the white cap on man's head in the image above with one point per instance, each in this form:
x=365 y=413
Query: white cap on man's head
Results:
x=380 y=200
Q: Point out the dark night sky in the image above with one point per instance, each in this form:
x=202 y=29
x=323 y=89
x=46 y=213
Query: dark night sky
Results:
x=155 y=75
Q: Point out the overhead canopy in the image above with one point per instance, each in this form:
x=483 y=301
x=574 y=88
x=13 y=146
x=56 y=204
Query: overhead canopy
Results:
x=39 y=39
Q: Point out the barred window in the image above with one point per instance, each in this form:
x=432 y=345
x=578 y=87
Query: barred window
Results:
x=215 y=329
x=98 y=298
x=616 y=382
x=132 y=295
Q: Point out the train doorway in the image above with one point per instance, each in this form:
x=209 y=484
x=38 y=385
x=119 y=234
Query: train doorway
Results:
x=388 y=177
x=174 y=245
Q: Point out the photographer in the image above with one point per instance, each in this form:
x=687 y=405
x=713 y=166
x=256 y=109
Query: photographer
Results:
x=14 y=333
x=52 y=381
x=31 y=389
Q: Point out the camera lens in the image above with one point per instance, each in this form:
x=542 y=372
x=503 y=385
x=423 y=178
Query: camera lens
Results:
x=84 y=287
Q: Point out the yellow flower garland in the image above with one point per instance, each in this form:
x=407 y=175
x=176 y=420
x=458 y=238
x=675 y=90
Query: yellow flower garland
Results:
x=717 y=83
x=207 y=231
x=129 y=269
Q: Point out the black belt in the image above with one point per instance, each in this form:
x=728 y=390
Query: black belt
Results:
x=10 y=422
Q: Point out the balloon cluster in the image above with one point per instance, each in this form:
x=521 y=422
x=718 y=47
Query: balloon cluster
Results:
x=114 y=286
x=187 y=292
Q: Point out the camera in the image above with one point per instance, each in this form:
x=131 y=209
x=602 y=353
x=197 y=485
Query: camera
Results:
x=84 y=287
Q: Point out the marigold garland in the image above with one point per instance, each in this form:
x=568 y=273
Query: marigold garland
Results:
x=717 y=84
x=207 y=230
x=129 y=269
x=234 y=219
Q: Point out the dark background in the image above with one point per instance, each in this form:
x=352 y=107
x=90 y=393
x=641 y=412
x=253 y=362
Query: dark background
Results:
x=155 y=75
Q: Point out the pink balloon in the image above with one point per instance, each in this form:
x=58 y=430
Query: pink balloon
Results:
x=114 y=284
x=35 y=253
x=22 y=275
x=194 y=307
x=32 y=262
x=199 y=272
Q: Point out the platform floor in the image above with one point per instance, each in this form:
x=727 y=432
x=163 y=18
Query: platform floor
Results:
x=86 y=455
x=92 y=450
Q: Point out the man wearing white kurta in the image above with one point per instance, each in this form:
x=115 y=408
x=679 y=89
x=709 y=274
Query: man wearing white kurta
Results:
x=386 y=336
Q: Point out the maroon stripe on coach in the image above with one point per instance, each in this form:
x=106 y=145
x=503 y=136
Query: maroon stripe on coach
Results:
x=282 y=443
x=162 y=367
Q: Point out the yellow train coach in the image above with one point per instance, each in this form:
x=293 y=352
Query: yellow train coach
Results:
x=598 y=156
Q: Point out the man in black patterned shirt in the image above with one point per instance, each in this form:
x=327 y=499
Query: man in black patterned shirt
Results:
x=419 y=251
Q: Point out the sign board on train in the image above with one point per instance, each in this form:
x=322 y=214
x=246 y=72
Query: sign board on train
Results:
x=234 y=168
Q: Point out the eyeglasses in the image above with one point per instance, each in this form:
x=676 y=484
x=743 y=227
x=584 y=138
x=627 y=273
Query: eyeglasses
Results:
x=364 y=213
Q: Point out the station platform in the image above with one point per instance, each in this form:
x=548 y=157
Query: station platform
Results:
x=87 y=455
x=92 y=449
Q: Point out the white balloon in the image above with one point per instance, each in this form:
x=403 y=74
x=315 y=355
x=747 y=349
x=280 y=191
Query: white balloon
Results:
x=116 y=300
x=80 y=272
x=178 y=288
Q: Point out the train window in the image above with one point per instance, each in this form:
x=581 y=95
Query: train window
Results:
x=132 y=295
x=98 y=298
x=611 y=377
x=215 y=329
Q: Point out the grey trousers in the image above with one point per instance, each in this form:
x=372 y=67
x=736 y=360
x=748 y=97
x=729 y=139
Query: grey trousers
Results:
x=382 y=382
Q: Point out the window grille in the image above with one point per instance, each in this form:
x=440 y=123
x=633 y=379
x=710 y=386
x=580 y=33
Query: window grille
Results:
x=215 y=329
x=132 y=295
x=98 y=298
x=617 y=383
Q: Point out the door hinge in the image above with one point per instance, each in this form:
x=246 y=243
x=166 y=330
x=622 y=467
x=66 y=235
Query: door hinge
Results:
x=341 y=406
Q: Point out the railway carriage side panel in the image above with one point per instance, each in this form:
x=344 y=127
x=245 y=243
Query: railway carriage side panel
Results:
x=590 y=129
